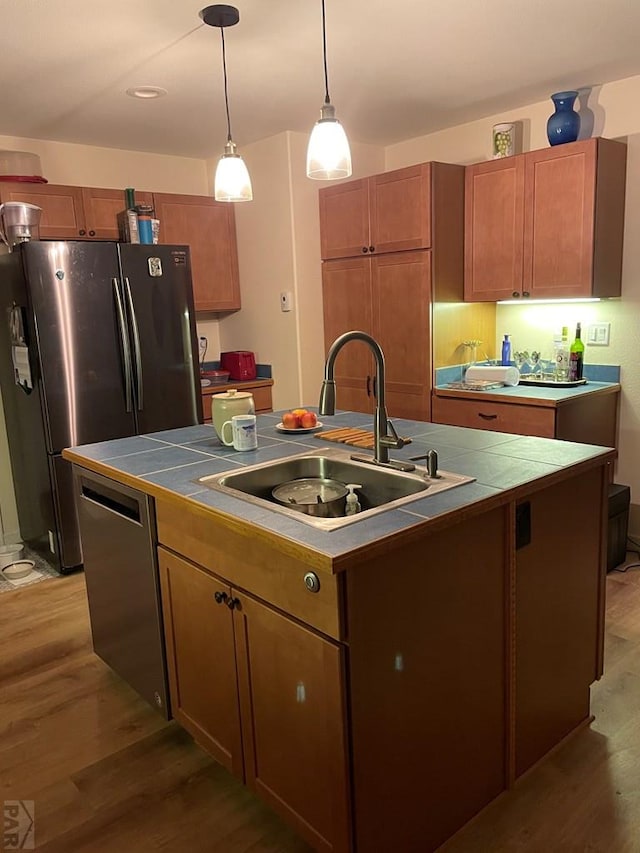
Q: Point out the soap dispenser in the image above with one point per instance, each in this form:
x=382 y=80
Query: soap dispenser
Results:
x=353 y=504
x=506 y=351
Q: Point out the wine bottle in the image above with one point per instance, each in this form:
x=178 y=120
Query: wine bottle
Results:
x=576 y=356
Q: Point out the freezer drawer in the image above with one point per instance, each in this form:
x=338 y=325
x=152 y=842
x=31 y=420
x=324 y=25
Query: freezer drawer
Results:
x=118 y=533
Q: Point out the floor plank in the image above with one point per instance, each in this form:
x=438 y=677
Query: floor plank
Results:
x=108 y=774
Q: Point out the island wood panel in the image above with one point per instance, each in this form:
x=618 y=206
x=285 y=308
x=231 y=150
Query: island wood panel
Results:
x=401 y=295
x=592 y=419
x=208 y=227
x=346 y=292
x=246 y=561
x=344 y=219
x=558 y=594
x=428 y=639
x=400 y=209
x=293 y=709
x=498 y=417
x=494 y=221
x=201 y=663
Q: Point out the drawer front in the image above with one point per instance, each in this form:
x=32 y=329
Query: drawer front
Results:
x=238 y=554
x=498 y=417
x=261 y=399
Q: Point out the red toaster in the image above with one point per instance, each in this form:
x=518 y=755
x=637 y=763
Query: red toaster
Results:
x=241 y=364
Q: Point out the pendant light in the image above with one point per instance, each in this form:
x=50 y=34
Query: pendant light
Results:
x=232 y=181
x=328 y=154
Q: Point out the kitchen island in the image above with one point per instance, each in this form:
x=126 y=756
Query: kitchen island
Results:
x=443 y=648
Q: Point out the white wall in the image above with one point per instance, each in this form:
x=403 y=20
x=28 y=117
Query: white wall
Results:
x=85 y=165
x=279 y=250
x=615 y=113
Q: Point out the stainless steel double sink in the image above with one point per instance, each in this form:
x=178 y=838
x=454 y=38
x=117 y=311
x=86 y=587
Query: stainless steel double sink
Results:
x=382 y=488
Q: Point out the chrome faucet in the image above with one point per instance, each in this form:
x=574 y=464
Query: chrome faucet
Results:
x=384 y=434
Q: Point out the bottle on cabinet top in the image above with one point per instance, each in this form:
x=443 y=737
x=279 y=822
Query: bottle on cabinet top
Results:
x=576 y=357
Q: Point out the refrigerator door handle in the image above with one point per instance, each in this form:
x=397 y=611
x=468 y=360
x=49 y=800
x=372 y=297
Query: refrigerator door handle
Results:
x=126 y=354
x=136 y=343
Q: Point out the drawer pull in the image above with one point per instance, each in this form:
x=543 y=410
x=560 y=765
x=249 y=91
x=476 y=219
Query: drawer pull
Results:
x=487 y=417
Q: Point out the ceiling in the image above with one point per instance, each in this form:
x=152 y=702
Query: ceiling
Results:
x=396 y=71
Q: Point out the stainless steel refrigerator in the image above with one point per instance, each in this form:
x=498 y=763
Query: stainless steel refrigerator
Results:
x=97 y=341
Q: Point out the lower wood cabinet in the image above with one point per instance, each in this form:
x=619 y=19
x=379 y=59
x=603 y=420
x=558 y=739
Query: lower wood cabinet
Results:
x=261 y=392
x=263 y=694
x=590 y=418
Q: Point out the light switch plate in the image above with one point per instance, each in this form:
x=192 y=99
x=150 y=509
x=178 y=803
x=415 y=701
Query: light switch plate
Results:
x=598 y=334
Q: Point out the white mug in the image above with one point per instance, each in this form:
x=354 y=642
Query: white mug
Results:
x=243 y=432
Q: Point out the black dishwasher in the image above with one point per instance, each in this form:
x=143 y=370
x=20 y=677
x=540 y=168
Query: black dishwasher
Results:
x=118 y=536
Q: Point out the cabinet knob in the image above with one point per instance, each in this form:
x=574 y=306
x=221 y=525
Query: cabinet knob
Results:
x=526 y=293
x=487 y=417
x=515 y=294
x=365 y=249
x=372 y=248
x=233 y=603
x=92 y=233
x=220 y=597
x=312 y=582
x=82 y=232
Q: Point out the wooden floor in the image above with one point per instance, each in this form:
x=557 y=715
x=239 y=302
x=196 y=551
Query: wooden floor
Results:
x=107 y=774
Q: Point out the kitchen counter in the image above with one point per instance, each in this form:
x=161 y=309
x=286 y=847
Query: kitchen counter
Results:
x=167 y=465
x=527 y=395
x=429 y=614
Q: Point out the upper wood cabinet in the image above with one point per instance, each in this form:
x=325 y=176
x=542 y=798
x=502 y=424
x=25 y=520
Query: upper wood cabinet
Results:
x=73 y=213
x=546 y=224
x=390 y=212
x=208 y=227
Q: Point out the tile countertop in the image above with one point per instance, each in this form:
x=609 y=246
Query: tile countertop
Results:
x=531 y=394
x=505 y=467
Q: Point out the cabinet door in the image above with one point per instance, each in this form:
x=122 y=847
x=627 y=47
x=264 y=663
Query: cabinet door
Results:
x=62 y=208
x=101 y=208
x=346 y=291
x=294 y=722
x=201 y=658
x=560 y=189
x=209 y=228
x=401 y=320
x=344 y=220
x=400 y=204
x=493 y=232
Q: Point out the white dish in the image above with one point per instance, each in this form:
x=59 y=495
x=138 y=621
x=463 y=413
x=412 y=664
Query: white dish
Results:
x=282 y=428
x=19 y=569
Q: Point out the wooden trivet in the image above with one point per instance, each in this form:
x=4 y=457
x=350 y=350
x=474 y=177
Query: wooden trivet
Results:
x=347 y=435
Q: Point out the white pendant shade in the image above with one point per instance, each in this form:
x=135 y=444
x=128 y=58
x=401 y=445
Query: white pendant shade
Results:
x=232 y=181
x=328 y=153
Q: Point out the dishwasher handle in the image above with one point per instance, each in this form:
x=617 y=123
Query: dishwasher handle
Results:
x=123 y=505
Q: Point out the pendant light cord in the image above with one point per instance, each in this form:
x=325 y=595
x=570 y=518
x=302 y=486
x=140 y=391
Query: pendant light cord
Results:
x=324 y=54
x=226 y=94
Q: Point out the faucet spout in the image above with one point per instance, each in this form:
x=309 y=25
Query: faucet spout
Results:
x=384 y=435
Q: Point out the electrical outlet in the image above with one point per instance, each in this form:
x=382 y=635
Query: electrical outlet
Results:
x=598 y=334
x=286 y=300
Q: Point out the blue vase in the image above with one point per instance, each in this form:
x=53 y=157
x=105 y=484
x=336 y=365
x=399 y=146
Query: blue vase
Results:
x=564 y=124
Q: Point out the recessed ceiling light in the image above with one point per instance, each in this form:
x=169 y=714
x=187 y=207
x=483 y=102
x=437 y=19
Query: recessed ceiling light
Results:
x=146 y=92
